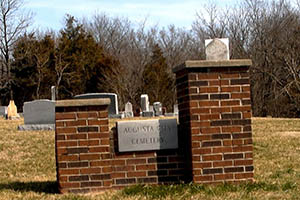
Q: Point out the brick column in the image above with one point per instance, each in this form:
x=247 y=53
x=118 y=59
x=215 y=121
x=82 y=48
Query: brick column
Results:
x=82 y=145
x=215 y=111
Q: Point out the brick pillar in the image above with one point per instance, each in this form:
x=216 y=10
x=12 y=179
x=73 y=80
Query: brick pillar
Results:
x=82 y=145
x=215 y=111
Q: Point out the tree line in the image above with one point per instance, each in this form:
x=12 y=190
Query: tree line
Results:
x=111 y=54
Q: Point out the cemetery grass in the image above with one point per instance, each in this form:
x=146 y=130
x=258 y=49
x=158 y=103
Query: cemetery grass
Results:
x=27 y=168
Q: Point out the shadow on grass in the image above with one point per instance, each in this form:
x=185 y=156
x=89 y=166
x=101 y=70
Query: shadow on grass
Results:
x=48 y=187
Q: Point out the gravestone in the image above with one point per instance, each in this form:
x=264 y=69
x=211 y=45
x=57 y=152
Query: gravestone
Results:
x=12 y=111
x=175 y=109
x=39 y=112
x=143 y=135
x=128 y=110
x=144 y=102
x=53 y=93
x=217 y=49
x=157 y=106
x=148 y=114
x=113 y=110
x=3 y=111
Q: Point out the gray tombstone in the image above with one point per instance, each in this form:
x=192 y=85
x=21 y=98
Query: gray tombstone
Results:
x=144 y=102
x=217 y=49
x=113 y=110
x=53 y=93
x=143 y=135
x=3 y=111
x=39 y=112
x=128 y=110
x=148 y=114
x=157 y=106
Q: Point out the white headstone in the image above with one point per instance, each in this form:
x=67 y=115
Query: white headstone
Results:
x=128 y=110
x=144 y=102
x=157 y=106
x=53 y=93
x=3 y=111
x=217 y=49
x=176 y=109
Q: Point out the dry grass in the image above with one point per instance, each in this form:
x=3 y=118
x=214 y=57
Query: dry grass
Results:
x=27 y=167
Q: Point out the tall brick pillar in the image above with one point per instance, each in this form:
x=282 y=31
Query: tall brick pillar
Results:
x=215 y=115
x=82 y=145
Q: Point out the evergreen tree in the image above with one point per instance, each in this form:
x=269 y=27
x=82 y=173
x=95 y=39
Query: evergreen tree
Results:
x=158 y=82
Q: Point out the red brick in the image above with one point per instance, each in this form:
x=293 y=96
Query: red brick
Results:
x=231 y=129
x=248 y=141
x=230 y=89
x=208 y=103
x=192 y=77
x=107 y=169
x=76 y=123
x=146 y=167
x=67 y=158
x=86 y=115
x=243 y=162
x=242 y=148
x=63 y=116
x=199 y=179
x=227 y=142
x=210 y=130
x=247 y=115
x=195 y=131
x=59 y=124
x=60 y=151
x=196 y=158
x=223 y=163
x=99 y=149
x=214 y=83
x=201 y=137
x=241 y=109
x=103 y=114
x=144 y=154
x=135 y=161
x=66 y=143
x=230 y=103
x=104 y=142
x=67 y=171
x=246 y=88
x=248 y=155
x=195 y=145
x=208 y=76
x=69 y=185
x=89 y=157
x=98 y=122
x=244 y=175
x=118 y=162
x=220 y=110
x=199 y=110
x=65 y=130
x=104 y=129
x=201 y=165
x=222 y=149
x=90 y=171
x=240 y=95
x=136 y=174
x=100 y=163
x=63 y=178
x=223 y=176
x=118 y=175
x=193 y=104
x=94 y=135
x=201 y=151
x=212 y=157
x=89 y=143
x=209 y=89
x=209 y=117
x=76 y=136
x=237 y=142
x=230 y=75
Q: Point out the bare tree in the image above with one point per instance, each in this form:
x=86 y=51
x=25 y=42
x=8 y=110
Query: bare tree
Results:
x=13 y=22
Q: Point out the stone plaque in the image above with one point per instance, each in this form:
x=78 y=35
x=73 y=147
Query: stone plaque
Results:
x=217 y=49
x=143 y=135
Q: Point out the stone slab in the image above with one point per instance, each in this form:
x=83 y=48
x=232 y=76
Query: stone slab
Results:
x=190 y=64
x=113 y=108
x=3 y=111
x=36 y=127
x=144 y=135
x=148 y=114
x=39 y=112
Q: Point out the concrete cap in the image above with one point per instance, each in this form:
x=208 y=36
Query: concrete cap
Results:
x=82 y=102
x=212 y=63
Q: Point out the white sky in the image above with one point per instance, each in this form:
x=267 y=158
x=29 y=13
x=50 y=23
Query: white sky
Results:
x=49 y=14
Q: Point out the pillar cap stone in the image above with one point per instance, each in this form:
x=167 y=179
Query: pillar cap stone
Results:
x=190 y=64
x=82 y=102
